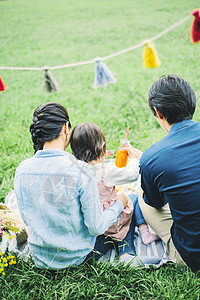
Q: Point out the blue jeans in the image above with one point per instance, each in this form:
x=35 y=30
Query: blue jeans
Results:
x=102 y=245
x=137 y=213
x=127 y=244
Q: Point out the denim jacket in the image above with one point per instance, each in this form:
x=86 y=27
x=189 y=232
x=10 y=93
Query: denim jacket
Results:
x=59 y=202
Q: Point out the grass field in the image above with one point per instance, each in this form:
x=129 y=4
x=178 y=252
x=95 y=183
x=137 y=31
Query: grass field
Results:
x=49 y=33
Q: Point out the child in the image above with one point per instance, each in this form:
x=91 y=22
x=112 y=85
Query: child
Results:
x=88 y=144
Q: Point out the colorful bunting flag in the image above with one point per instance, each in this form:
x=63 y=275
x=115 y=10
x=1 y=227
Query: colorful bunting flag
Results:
x=50 y=84
x=3 y=86
x=150 y=55
x=103 y=75
x=195 y=27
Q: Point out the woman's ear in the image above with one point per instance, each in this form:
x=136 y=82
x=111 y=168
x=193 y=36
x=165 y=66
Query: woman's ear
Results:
x=66 y=128
x=67 y=134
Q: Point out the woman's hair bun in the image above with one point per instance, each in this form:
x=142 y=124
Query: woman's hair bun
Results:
x=48 y=120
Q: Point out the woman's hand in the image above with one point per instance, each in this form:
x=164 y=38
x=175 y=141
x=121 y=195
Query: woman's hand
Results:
x=123 y=198
x=133 y=152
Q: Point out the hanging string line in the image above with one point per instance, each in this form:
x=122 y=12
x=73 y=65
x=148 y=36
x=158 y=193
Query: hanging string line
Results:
x=149 y=40
x=87 y=62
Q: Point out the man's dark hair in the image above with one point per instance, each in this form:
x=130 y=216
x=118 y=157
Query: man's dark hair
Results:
x=173 y=97
x=48 y=120
x=87 y=142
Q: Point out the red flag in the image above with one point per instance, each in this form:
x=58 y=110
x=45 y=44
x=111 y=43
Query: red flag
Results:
x=195 y=27
x=3 y=86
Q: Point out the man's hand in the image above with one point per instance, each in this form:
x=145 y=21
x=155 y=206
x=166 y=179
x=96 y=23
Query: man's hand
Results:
x=123 y=198
x=133 y=152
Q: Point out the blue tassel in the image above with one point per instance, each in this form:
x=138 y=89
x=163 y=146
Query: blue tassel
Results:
x=103 y=75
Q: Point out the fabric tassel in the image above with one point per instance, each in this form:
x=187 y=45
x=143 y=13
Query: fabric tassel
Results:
x=3 y=86
x=195 y=27
x=50 y=84
x=103 y=75
x=150 y=55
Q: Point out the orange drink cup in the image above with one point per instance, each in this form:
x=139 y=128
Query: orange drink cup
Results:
x=122 y=155
x=121 y=158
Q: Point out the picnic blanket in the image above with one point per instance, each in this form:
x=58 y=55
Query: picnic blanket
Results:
x=157 y=248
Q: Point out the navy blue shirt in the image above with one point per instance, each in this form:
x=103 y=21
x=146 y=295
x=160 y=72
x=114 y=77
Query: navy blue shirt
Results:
x=170 y=172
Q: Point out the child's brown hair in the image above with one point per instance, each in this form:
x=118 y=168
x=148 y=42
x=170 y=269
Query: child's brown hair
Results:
x=88 y=142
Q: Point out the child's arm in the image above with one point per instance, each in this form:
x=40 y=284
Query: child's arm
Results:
x=117 y=176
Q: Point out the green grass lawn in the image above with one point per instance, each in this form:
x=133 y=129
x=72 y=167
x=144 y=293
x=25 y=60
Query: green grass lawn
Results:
x=49 y=33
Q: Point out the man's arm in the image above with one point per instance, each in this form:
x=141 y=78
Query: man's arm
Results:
x=152 y=195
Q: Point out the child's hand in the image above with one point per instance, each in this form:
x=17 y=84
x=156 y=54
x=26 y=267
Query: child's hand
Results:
x=123 y=198
x=133 y=152
x=109 y=153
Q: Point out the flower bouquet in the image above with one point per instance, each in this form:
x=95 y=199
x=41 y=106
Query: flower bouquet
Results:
x=11 y=222
x=12 y=232
x=7 y=229
x=7 y=221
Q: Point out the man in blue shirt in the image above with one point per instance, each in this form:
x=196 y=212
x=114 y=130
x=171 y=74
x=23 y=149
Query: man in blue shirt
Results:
x=170 y=171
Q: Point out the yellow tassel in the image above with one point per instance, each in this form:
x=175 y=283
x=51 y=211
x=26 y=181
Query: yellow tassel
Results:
x=150 y=55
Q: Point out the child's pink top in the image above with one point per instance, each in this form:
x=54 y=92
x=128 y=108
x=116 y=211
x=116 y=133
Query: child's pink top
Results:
x=108 y=197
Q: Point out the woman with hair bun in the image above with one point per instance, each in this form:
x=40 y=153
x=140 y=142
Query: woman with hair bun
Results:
x=58 y=196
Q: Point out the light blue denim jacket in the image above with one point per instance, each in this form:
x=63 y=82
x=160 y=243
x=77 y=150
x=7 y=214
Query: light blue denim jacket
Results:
x=59 y=202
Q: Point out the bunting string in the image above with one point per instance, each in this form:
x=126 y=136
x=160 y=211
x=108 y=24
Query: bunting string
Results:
x=103 y=75
x=87 y=62
x=149 y=40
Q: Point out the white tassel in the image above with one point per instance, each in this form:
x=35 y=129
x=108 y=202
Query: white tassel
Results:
x=103 y=75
